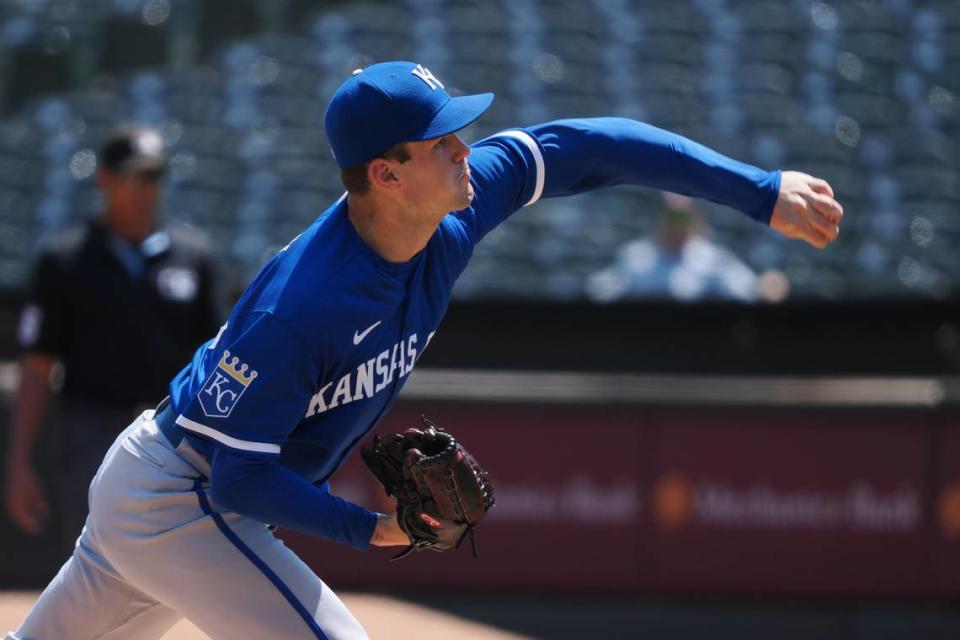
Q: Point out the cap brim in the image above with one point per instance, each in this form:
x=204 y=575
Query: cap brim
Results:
x=458 y=113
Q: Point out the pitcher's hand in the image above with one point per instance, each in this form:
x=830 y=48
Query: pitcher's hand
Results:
x=806 y=210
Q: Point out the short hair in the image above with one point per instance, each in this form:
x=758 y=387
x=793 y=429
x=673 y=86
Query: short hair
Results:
x=355 y=178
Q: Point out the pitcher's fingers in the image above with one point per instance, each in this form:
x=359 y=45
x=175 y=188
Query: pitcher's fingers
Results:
x=829 y=231
x=827 y=206
x=815 y=237
x=815 y=220
x=821 y=186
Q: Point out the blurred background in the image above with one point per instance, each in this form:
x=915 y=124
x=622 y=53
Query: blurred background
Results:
x=728 y=433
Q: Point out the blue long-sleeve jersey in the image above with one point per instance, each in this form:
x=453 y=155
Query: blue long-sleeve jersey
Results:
x=321 y=342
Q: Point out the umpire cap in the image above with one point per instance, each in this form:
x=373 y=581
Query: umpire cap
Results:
x=133 y=148
x=393 y=102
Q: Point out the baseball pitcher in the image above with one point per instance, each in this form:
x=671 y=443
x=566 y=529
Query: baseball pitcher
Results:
x=318 y=347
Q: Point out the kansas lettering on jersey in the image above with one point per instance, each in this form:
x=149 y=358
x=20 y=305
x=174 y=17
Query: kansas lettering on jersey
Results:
x=372 y=376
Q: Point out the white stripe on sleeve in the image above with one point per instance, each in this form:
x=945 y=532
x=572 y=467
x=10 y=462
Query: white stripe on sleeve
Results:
x=234 y=443
x=531 y=144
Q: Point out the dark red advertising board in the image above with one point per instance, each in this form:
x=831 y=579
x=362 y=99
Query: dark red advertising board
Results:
x=946 y=507
x=807 y=503
x=718 y=501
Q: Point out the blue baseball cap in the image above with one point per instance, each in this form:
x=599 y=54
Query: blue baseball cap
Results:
x=393 y=102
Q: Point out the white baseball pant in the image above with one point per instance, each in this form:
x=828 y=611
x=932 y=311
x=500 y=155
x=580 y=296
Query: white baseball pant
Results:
x=155 y=548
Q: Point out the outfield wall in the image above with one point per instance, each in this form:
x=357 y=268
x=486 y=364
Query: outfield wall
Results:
x=835 y=487
x=782 y=500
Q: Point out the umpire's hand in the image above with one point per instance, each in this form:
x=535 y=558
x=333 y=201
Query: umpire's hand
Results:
x=24 y=499
x=806 y=210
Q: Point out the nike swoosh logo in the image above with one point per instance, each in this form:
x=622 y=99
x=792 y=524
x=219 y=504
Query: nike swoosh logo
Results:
x=358 y=337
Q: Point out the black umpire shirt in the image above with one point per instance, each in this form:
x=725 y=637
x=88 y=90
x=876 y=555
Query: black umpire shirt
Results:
x=122 y=319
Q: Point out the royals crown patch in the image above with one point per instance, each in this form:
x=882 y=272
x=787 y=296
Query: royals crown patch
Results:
x=223 y=388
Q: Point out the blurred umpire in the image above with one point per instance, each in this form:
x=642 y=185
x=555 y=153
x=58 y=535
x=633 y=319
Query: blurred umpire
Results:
x=122 y=279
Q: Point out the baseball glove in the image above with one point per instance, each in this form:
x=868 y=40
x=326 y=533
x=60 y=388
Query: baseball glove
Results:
x=440 y=489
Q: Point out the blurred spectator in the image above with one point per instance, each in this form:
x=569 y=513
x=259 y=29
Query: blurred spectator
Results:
x=122 y=279
x=678 y=262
